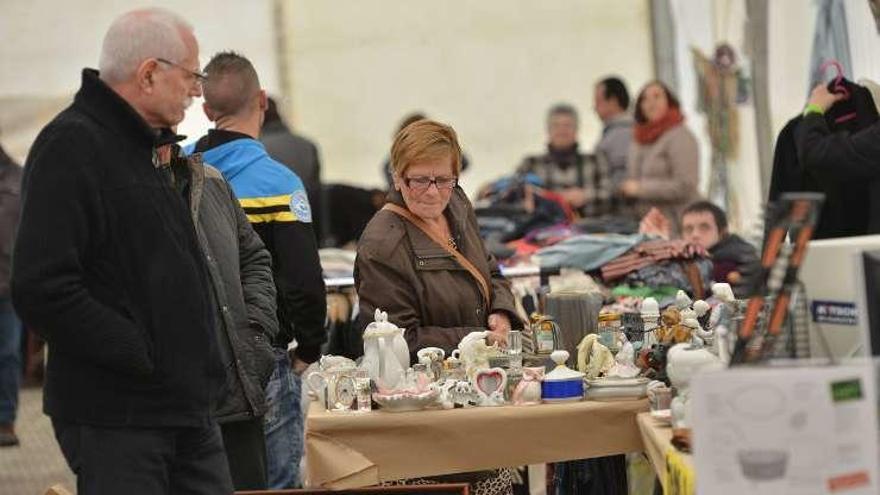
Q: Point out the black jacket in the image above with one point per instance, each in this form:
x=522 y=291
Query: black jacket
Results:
x=302 y=302
x=107 y=268
x=839 y=159
x=240 y=271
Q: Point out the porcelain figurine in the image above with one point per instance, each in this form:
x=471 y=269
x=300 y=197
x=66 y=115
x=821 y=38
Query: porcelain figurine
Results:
x=386 y=353
x=528 y=390
x=464 y=394
x=432 y=358
x=721 y=321
x=683 y=362
x=473 y=352
x=699 y=337
x=650 y=313
x=682 y=300
x=490 y=385
x=594 y=359
x=444 y=393
x=624 y=362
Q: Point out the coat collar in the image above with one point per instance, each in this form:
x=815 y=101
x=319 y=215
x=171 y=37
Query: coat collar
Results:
x=97 y=99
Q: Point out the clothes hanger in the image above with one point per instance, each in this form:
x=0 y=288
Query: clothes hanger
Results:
x=838 y=87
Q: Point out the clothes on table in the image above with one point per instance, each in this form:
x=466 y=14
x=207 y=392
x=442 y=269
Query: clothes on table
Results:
x=587 y=252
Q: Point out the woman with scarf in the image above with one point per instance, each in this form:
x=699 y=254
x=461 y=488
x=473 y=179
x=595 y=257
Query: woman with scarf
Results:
x=663 y=170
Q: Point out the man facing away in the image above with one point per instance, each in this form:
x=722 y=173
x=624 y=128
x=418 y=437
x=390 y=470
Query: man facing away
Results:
x=611 y=102
x=107 y=268
x=277 y=205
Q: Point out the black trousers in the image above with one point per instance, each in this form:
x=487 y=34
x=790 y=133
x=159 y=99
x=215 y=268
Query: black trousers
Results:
x=148 y=461
x=245 y=444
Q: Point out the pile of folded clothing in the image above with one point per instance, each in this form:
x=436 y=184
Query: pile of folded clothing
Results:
x=650 y=253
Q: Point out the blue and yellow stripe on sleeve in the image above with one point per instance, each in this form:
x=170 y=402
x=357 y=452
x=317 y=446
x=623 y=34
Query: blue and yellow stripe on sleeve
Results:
x=268 y=209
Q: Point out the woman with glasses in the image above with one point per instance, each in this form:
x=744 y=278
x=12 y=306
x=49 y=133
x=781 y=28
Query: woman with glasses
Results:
x=421 y=259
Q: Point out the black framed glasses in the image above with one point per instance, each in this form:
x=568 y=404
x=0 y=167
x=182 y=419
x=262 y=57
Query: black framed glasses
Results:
x=199 y=76
x=423 y=183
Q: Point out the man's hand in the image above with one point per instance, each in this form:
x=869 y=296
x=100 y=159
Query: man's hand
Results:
x=824 y=99
x=297 y=365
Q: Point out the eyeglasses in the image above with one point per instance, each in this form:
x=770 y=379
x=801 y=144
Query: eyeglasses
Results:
x=199 y=76
x=423 y=183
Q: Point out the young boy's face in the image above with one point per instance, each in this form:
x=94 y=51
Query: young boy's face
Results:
x=699 y=228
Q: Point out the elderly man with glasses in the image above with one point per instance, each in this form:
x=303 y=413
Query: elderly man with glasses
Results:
x=108 y=269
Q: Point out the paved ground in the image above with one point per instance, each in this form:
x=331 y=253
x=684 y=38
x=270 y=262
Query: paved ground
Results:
x=37 y=464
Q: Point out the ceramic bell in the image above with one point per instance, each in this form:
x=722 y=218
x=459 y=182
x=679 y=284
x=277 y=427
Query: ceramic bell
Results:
x=528 y=390
x=563 y=383
x=386 y=353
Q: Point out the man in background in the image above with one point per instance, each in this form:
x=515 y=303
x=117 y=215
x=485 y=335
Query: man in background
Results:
x=299 y=155
x=611 y=103
x=275 y=201
x=704 y=223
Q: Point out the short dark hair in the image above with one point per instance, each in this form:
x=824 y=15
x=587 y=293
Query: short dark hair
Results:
x=613 y=87
x=562 y=109
x=231 y=84
x=708 y=207
x=673 y=101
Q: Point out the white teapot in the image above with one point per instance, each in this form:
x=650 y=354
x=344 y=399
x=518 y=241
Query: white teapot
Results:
x=386 y=353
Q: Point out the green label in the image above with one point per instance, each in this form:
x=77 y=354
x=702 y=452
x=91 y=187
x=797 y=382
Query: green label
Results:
x=846 y=390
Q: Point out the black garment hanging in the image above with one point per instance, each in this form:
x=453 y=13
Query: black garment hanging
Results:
x=800 y=165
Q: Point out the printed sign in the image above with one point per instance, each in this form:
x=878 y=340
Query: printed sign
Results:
x=835 y=313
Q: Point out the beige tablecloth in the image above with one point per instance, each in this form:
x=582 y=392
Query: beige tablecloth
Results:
x=352 y=450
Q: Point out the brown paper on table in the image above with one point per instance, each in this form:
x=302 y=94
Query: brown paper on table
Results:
x=351 y=450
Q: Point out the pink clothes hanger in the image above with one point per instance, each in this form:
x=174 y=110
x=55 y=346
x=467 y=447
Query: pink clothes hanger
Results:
x=838 y=87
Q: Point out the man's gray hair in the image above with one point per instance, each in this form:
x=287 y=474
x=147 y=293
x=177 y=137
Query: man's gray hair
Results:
x=138 y=35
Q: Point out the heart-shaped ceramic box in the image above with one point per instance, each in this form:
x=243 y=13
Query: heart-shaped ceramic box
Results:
x=490 y=384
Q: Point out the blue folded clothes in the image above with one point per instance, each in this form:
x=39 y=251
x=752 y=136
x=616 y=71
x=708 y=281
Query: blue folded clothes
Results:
x=589 y=251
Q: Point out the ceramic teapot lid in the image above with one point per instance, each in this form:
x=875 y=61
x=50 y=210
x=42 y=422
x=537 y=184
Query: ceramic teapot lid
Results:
x=562 y=372
x=381 y=327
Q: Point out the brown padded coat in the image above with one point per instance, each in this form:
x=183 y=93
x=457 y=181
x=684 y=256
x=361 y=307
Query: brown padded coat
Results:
x=420 y=285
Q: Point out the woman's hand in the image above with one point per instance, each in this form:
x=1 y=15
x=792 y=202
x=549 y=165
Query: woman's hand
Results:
x=630 y=188
x=823 y=98
x=499 y=327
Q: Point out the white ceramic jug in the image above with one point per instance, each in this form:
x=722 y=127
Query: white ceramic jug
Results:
x=386 y=353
